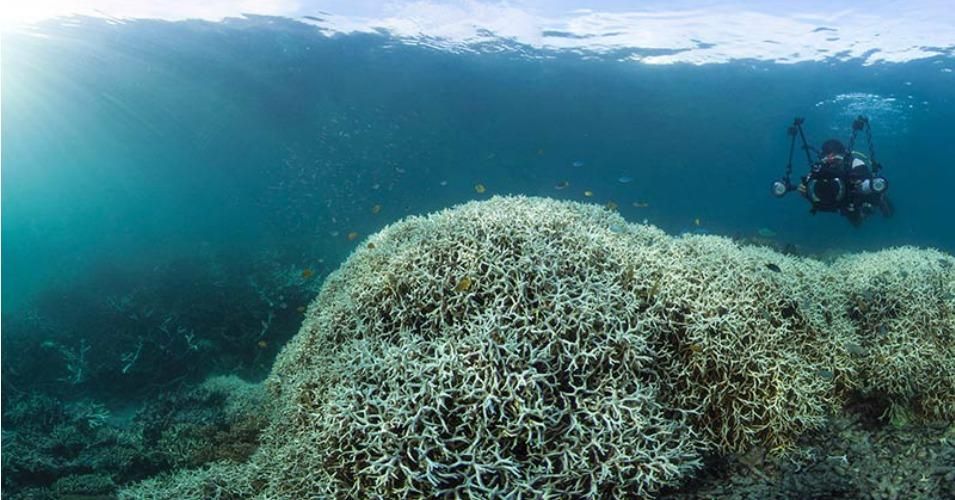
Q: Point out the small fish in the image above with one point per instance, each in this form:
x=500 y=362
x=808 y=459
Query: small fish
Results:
x=611 y=205
x=618 y=228
x=300 y=309
x=696 y=348
x=540 y=151
x=464 y=284
x=400 y=170
x=640 y=204
x=765 y=233
x=945 y=263
x=352 y=236
x=561 y=185
x=856 y=349
x=825 y=374
x=773 y=267
x=588 y=193
x=307 y=273
x=262 y=344
x=767 y=316
x=479 y=188
x=371 y=245
x=577 y=163
x=443 y=183
x=624 y=179
x=375 y=209
x=883 y=330
x=697 y=222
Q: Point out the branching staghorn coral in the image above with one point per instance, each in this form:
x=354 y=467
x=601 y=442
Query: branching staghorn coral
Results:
x=75 y=360
x=745 y=342
x=526 y=347
x=88 y=413
x=487 y=350
x=902 y=303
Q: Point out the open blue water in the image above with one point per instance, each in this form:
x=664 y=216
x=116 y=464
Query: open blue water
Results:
x=173 y=192
x=136 y=142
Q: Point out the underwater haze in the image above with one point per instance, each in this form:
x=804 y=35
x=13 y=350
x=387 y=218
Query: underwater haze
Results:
x=175 y=187
x=146 y=138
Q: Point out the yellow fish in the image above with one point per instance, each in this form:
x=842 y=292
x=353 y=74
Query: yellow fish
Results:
x=464 y=284
x=479 y=188
x=352 y=236
x=588 y=193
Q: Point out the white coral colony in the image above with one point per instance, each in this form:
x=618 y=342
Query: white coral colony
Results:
x=523 y=345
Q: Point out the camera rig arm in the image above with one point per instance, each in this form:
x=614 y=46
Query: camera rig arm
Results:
x=861 y=123
x=785 y=185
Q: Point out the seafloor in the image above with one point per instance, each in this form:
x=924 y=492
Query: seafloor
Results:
x=51 y=453
x=93 y=416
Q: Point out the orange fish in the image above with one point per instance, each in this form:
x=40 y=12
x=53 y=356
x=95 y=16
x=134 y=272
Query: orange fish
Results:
x=307 y=273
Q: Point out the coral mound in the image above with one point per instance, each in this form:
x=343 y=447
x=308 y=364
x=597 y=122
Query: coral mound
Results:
x=527 y=347
x=746 y=340
x=485 y=350
x=902 y=303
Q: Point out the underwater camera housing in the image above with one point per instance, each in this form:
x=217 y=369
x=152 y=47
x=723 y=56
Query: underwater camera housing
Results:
x=781 y=187
x=879 y=185
x=826 y=193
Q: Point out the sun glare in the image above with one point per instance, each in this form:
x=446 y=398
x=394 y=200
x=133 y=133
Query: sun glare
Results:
x=19 y=12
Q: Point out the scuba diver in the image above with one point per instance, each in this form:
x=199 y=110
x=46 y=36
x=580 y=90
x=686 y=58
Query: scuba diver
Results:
x=840 y=179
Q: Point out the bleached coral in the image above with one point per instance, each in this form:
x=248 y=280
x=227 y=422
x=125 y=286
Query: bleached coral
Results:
x=241 y=398
x=744 y=338
x=217 y=481
x=487 y=350
x=902 y=303
x=519 y=346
